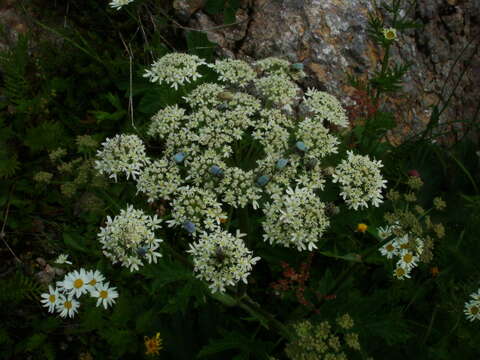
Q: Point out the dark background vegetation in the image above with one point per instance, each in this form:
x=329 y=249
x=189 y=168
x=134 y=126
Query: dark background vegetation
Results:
x=77 y=71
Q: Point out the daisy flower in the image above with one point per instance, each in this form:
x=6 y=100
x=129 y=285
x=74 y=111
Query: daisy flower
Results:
x=390 y=34
x=401 y=273
x=76 y=283
x=389 y=249
x=407 y=260
x=118 y=4
x=105 y=295
x=50 y=299
x=94 y=278
x=67 y=306
x=62 y=259
x=472 y=310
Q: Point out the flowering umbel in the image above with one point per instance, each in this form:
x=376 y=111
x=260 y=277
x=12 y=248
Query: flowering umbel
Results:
x=252 y=140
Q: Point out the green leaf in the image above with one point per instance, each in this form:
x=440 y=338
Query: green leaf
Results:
x=214 y=7
x=74 y=241
x=349 y=257
x=35 y=341
x=232 y=340
x=198 y=44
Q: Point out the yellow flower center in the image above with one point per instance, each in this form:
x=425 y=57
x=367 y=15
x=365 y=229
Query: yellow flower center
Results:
x=78 y=283
x=399 y=271
x=390 y=35
x=474 y=310
x=104 y=294
x=408 y=258
x=51 y=298
x=390 y=247
x=92 y=282
x=67 y=304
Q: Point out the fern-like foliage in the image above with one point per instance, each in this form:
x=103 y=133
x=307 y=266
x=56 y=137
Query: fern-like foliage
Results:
x=17 y=288
x=13 y=65
x=9 y=163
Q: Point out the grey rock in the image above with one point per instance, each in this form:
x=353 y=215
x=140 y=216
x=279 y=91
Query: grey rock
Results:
x=329 y=37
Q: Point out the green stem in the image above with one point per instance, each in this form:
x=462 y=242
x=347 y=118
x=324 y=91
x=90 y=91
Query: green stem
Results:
x=245 y=302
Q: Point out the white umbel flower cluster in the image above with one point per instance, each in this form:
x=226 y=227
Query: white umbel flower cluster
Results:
x=221 y=259
x=196 y=206
x=360 y=181
x=273 y=65
x=296 y=219
x=129 y=238
x=472 y=307
x=118 y=4
x=63 y=298
x=175 y=69
x=121 y=154
x=248 y=142
x=278 y=89
x=234 y=72
x=317 y=138
x=159 y=180
x=326 y=107
x=405 y=249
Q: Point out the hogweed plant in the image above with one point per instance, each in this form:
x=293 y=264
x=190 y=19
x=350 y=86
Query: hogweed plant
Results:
x=250 y=143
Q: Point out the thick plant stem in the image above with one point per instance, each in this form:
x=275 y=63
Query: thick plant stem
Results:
x=245 y=302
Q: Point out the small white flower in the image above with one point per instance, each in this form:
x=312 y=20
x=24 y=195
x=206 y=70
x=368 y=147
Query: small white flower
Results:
x=105 y=295
x=50 y=299
x=407 y=260
x=476 y=295
x=390 y=34
x=76 y=283
x=389 y=250
x=472 y=310
x=118 y=4
x=62 y=259
x=384 y=232
x=67 y=306
x=94 y=278
x=401 y=273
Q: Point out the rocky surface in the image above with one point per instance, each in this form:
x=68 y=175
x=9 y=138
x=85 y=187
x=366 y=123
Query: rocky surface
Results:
x=329 y=37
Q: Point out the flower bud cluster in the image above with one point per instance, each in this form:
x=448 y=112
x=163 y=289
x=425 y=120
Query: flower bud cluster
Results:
x=322 y=341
